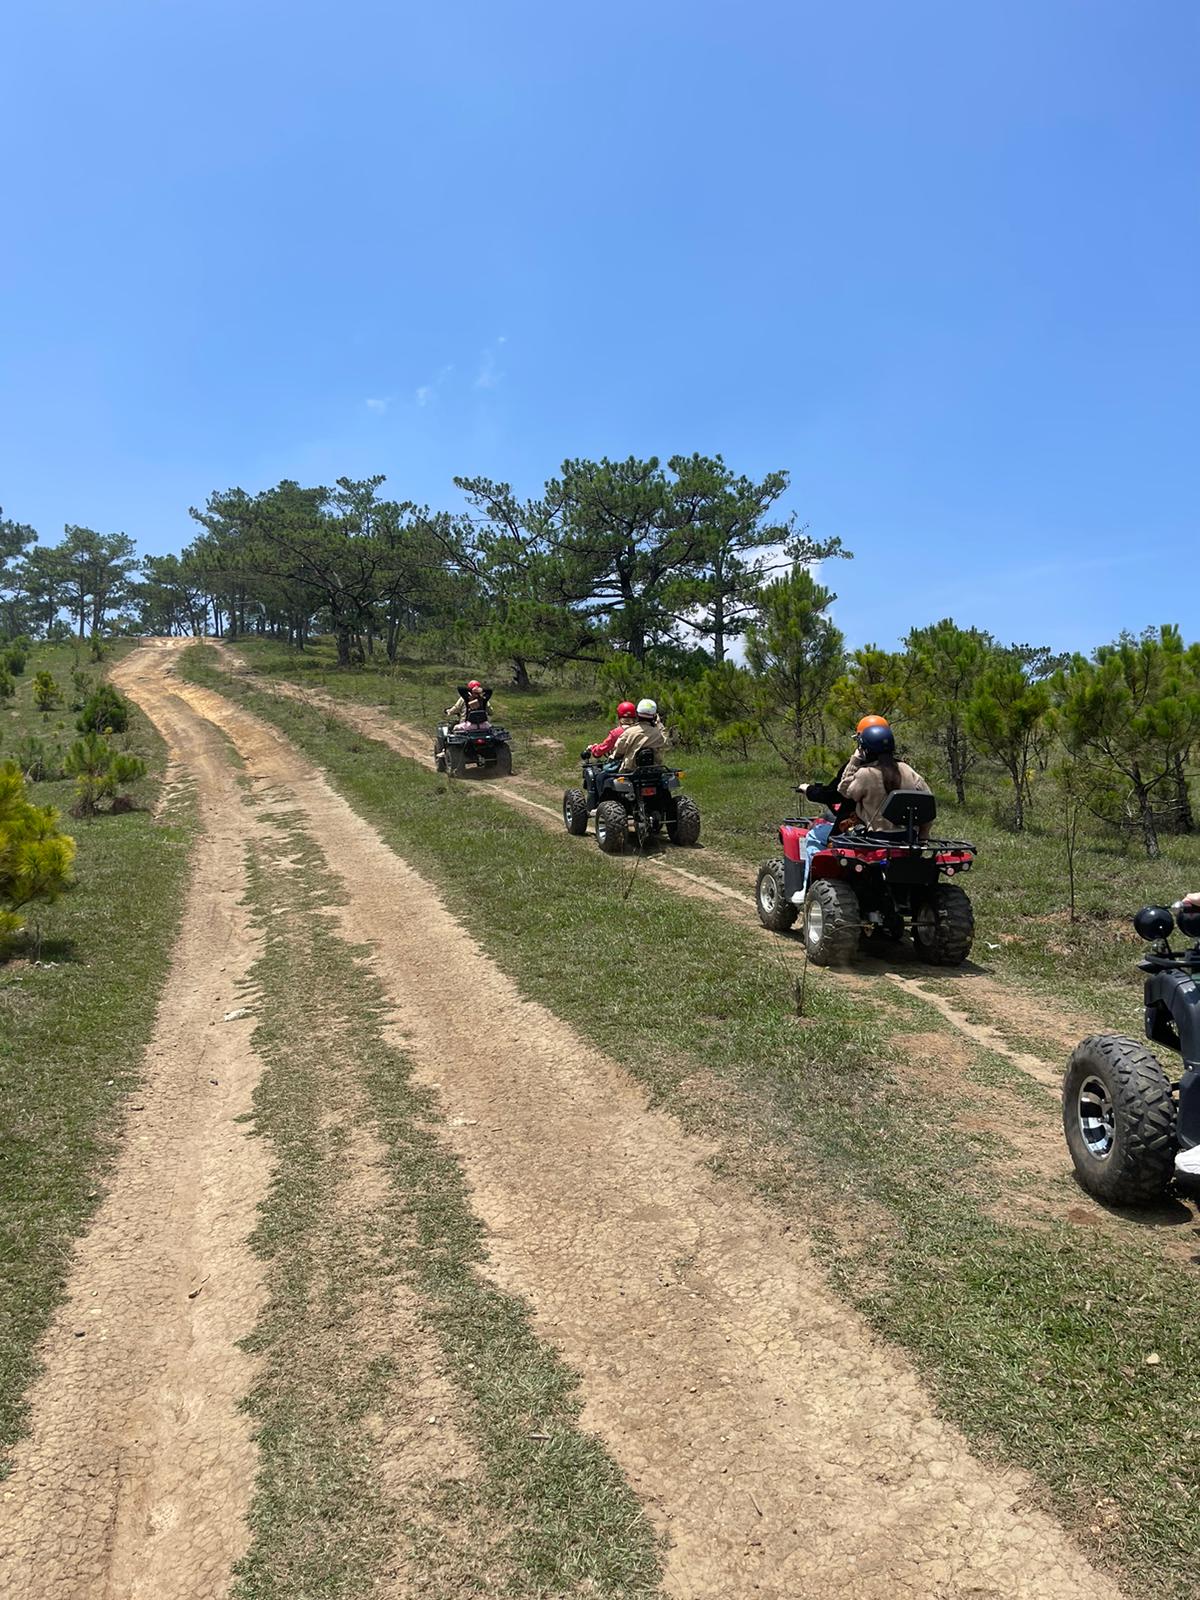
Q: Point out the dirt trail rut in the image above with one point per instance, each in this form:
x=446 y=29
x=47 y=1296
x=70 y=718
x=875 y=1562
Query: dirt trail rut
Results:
x=137 y=1406
x=784 y=1449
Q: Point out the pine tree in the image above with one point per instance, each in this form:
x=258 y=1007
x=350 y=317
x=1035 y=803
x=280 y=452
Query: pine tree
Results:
x=35 y=858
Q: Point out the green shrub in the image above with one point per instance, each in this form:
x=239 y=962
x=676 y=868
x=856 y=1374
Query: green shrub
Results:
x=104 y=711
x=15 y=658
x=99 y=771
x=82 y=683
x=46 y=693
x=35 y=858
x=38 y=763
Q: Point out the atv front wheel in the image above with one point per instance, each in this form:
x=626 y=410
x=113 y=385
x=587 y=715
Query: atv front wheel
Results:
x=832 y=922
x=1119 y=1119
x=503 y=761
x=775 y=910
x=944 y=927
x=456 y=761
x=612 y=827
x=686 y=827
x=575 y=812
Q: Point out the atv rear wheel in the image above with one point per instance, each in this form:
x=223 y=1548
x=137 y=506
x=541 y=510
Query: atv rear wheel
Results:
x=456 y=761
x=575 y=812
x=1119 y=1119
x=439 y=760
x=503 y=761
x=612 y=827
x=944 y=927
x=832 y=922
x=686 y=827
x=775 y=910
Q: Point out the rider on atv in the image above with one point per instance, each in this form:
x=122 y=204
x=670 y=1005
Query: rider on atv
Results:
x=645 y=733
x=878 y=775
x=626 y=716
x=472 y=709
x=833 y=795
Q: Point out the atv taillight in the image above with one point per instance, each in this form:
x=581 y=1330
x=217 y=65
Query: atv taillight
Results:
x=650 y=792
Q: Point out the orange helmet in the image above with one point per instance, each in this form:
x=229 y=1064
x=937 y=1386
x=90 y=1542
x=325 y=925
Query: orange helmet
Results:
x=871 y=722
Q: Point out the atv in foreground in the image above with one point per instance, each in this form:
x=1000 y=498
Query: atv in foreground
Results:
x=482 y=745
x=1123 y=1116
x=641 y=803
x=866 y=886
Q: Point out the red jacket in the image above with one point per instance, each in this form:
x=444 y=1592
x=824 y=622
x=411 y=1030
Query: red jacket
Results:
x=604 y=748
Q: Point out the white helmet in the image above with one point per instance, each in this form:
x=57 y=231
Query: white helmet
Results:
x=646 y=709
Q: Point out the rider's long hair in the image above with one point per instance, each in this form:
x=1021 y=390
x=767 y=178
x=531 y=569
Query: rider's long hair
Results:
x=890 y=769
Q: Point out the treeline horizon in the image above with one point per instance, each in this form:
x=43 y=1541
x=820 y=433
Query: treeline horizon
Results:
x=644 y=575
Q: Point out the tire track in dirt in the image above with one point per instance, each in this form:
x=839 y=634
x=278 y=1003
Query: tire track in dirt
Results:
x=786 y=1450
x=137 y=1405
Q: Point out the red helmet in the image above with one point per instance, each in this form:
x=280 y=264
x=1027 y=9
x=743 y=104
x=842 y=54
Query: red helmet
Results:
x=474 y=684
x=626 y=709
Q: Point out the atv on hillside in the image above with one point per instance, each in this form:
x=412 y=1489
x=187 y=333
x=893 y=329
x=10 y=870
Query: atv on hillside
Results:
x=1123 y=1116
x=866 y=886
x=477 y=743
x=644 y=801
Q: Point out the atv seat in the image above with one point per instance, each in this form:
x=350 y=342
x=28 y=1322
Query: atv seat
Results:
x=909 y=810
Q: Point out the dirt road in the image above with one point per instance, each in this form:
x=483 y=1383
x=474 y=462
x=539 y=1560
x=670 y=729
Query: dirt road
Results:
x=784 y=1450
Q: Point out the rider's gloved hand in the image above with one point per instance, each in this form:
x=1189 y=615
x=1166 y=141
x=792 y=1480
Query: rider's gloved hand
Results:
x=585 y=752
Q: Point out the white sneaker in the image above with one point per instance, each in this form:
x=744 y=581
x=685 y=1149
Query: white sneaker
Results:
x=1187 y=1162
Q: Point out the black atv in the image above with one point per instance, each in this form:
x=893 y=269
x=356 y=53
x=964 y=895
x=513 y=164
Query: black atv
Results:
x=1123 y=1116
x=484 y=746
x=644 y=801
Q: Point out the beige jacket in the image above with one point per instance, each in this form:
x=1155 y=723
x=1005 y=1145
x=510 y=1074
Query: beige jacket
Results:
x=867 y=792
x=642 y=736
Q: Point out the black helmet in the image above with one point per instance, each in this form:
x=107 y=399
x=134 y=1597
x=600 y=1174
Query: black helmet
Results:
x=875 y=742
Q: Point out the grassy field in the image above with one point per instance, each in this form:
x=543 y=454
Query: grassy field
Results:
x=1019 y=884
x=76 y=1009
x=1034 y=1337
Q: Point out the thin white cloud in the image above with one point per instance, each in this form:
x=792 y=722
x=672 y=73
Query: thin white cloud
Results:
x=378 y=405
x=489 y=374
x=423 y=395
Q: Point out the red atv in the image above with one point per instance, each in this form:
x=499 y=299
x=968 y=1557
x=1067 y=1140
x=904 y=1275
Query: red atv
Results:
x=865 y=886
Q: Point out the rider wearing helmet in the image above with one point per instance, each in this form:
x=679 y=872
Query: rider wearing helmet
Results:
x=473 y=699
x=878 y=774
x=646 y=733
x=833 y=796
x=626 y=716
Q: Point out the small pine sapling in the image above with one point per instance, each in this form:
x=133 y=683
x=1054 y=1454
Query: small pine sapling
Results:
x=99 y=771
x=104 y=711
x=35 y=857
x=47 y=696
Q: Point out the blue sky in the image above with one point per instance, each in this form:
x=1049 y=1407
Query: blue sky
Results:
x=938 y=260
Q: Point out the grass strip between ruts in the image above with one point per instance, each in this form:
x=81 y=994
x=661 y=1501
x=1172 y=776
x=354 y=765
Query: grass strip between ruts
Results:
x=1034 y=1339
x=539 y=1508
